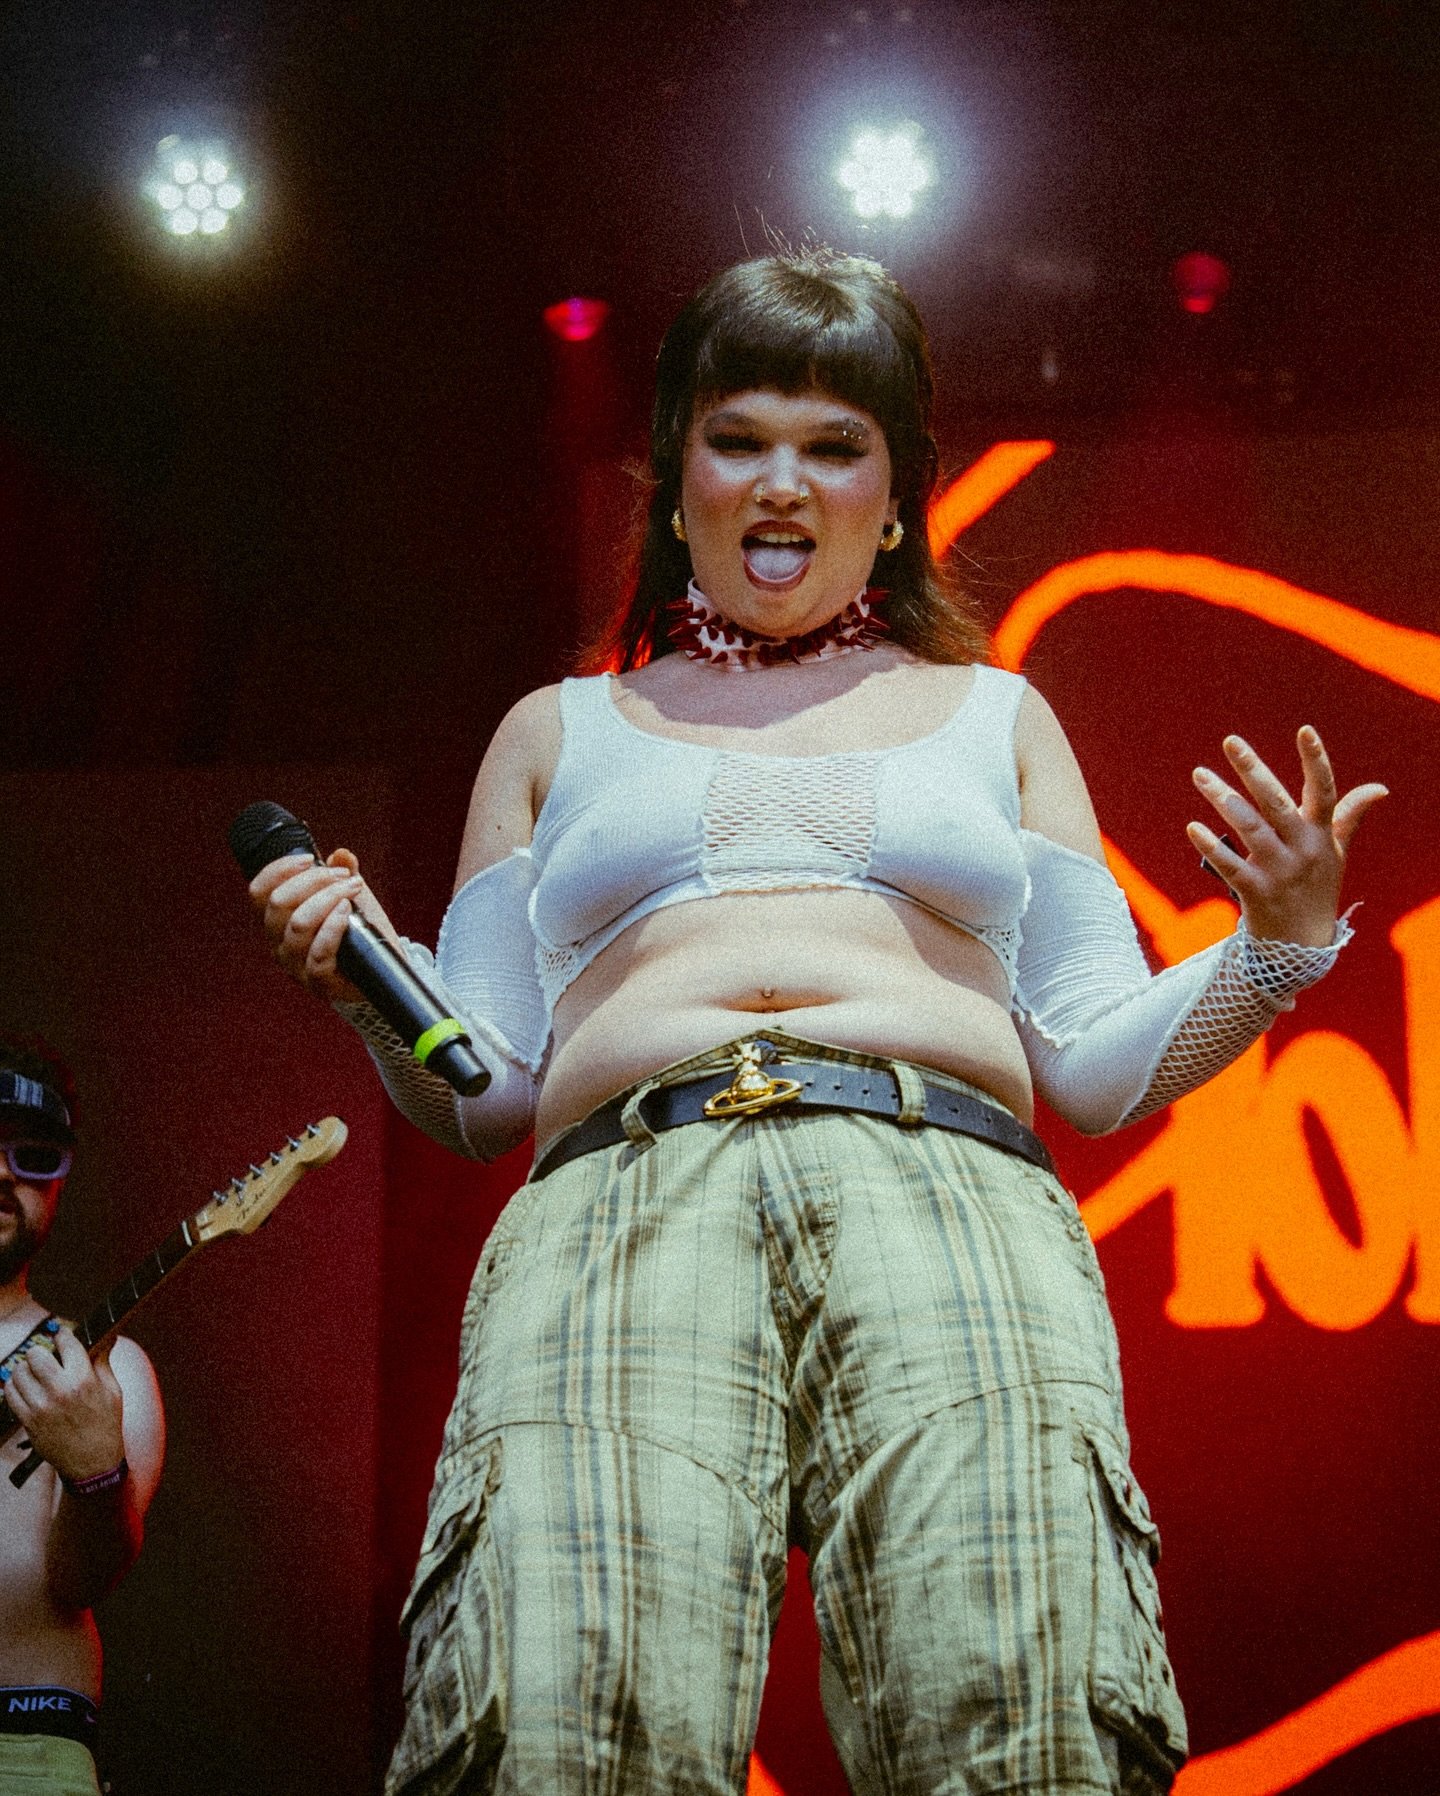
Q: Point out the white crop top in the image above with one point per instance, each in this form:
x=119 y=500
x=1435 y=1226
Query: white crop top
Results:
x=636 y=821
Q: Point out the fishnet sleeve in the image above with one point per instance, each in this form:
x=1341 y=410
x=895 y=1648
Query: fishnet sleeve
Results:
x=423 y=1097
x=1253 y=980
x=1108 y=1041
x=485 y=972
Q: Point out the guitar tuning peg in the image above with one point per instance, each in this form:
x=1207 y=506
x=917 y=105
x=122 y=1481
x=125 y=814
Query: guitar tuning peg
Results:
x=292 y=1141
x=274 y=1159
x=310 y=1129
x=237 y=1185
x=219 y=1196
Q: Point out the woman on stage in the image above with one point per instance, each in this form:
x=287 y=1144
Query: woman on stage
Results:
x=770 y=937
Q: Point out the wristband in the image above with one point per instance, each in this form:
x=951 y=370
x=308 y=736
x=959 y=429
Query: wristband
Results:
x=99 y=1483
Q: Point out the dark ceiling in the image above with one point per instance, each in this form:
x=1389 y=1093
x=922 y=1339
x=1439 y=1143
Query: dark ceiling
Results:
x=444 y=163
x=368 y=368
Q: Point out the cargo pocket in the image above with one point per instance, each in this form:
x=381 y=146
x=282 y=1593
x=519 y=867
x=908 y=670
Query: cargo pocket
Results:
x=1132 y=1687
x=453 y=1620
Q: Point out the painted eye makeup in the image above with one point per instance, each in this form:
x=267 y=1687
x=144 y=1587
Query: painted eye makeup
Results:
x=841 y=448
x=840 y=439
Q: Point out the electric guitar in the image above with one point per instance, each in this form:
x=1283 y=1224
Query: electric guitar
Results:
x=238 y=1209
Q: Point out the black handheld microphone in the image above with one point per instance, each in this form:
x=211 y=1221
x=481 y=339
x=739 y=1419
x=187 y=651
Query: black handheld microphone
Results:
x=266 y=832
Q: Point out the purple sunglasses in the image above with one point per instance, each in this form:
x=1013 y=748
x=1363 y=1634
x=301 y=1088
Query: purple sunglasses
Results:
x=36 y=1162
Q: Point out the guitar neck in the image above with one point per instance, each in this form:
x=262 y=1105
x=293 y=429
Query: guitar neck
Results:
x=131 y=1292
x=238 y=1209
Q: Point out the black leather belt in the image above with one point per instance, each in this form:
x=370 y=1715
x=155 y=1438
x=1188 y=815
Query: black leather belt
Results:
x=818 y=1085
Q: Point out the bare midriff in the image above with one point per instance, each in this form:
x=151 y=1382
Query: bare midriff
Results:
x=851 y=968
x=39 y=1642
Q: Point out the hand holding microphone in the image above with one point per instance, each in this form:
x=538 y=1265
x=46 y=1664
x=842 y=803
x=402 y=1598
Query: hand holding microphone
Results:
x=312 y=917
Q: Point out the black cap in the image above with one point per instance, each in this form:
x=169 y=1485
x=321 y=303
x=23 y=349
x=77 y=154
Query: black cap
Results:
x=35 y=1108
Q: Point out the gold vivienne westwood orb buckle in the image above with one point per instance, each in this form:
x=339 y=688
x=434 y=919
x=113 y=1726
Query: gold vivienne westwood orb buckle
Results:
x=752 y=1088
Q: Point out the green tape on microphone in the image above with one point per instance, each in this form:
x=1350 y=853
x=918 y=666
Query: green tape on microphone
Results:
x=445 y=1030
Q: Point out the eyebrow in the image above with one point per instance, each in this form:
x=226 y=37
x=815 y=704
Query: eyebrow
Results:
x=841 y=425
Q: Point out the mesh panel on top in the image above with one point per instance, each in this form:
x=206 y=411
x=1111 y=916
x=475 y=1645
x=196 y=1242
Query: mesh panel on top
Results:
x=776 y=823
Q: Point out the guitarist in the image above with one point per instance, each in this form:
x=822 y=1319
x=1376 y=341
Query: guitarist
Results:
x=70 y=1533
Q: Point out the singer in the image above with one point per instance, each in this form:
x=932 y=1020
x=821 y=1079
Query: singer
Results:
x=770 y=936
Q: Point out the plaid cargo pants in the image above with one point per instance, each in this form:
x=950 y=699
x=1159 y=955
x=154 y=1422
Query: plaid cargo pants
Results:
x=888 y=1343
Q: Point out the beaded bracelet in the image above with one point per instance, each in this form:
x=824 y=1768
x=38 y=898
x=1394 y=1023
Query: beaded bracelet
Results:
x=101 y=1481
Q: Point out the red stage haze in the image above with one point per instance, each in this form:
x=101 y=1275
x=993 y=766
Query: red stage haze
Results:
x=1199 y=281
x=576 y=320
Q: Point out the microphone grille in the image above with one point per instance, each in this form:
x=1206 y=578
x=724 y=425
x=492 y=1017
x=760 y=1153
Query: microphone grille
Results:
x=266 y=832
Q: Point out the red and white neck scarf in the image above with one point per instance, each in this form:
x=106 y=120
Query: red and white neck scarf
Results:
x=699 y=631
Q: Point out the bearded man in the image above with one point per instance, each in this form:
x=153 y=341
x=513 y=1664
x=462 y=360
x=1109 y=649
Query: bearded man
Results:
x=72 y=1531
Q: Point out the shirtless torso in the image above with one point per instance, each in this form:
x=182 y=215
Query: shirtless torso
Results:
x=60 y=1553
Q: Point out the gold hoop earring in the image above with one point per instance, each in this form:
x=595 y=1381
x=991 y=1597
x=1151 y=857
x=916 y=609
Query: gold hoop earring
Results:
x=890 y=536
x=677 y=524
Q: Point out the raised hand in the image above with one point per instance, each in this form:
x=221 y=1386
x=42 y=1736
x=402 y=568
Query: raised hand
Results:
x=1288 y=881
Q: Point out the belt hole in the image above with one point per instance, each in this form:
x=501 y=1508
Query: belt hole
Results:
x=837 y=1085
x=865 y=1089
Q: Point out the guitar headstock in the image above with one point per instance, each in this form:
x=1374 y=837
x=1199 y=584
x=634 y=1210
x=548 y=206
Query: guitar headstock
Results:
x=247 y=1201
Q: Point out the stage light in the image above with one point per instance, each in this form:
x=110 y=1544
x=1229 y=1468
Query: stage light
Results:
x=1200 y=281
x=576 y=320
x=884 y=171
x=195 y=187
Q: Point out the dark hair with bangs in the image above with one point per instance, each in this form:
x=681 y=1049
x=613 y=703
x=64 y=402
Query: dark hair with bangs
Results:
x=815 y=320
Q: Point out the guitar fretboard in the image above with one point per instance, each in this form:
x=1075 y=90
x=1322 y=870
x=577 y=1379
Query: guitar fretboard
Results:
x=107 y=1316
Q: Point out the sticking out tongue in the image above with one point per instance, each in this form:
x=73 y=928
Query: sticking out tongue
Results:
x=776 y=563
